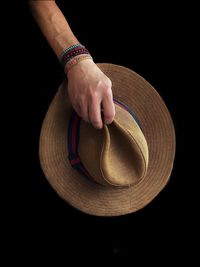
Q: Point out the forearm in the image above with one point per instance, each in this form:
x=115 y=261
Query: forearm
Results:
x=89 y=89
x=53 y=25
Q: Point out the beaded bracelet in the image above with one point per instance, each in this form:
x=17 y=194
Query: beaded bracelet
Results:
x=70 y=48
x=74 y=61
x=71 y=52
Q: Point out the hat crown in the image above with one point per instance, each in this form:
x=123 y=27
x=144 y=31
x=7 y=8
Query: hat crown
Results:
x=89 y=196
x=116 y=155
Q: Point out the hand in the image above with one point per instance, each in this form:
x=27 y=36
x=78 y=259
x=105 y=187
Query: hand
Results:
x=89 y=90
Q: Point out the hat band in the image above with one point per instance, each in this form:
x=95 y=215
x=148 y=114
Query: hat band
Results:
x=73 y=139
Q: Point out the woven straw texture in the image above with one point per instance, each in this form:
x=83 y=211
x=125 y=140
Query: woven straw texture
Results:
x=157 y=126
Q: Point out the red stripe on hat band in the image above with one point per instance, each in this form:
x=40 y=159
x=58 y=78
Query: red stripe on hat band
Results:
x=75 y=161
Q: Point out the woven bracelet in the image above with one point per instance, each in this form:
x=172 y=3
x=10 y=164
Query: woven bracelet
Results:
x=74 y=61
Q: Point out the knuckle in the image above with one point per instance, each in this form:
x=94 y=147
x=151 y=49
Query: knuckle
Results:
x=93 y=96
x=107 y=91
x=108 y=83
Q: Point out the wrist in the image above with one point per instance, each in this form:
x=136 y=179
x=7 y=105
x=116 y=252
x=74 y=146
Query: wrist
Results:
x=73 y=55
x=71 y=52
x=76 y=62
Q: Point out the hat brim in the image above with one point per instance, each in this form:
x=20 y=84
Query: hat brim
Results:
x=158 y=129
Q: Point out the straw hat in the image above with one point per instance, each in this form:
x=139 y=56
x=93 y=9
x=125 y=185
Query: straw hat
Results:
x=116 y=170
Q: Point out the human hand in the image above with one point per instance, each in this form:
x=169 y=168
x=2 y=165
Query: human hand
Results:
x=89 y=90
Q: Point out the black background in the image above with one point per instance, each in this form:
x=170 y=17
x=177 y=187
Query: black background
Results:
x=148 y=38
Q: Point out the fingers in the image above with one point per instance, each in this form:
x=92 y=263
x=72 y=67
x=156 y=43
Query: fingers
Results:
x=81 y=109
x=91 y=112
x=95 y=113
x=84 y=112
x=108 y=108
x=90 y=90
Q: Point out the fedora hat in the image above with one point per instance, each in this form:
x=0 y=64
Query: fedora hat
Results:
x=116 y=170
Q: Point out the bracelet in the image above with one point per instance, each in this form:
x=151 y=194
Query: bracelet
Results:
x=74 y=61
x=70 y=48
x=71 y=52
